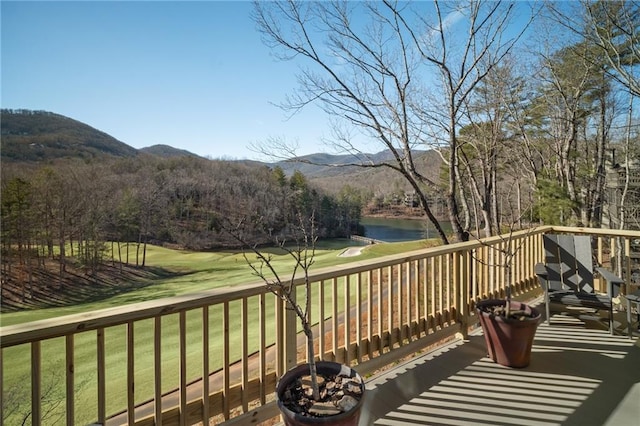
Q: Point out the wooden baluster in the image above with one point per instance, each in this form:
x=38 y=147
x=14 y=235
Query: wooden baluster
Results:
x=380 y=318
x=347 y=319
x=390 y=306
x=36 y=379
x=321 y=323
x=205 y=365
x=359 y=318
x=102 y=379
x=225 y=360
x=70 y=393
x=130 y=375
x=182 y=319
x=334 y=318
x=157 y=368
x=262 y=349
x=370 y=313
x=245 y=356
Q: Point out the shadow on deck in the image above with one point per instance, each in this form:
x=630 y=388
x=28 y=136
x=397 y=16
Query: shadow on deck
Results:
x=578 y=375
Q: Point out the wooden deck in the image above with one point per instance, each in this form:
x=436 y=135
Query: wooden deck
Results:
x=579 y=375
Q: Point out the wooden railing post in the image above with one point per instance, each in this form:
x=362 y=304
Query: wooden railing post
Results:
x=35 y=383
x=290 y=335
x=627 y=267
x=1 y=386
x=461 y=283
x=70 y=371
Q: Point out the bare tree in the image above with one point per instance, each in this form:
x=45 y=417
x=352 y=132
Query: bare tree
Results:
x=15 y=402
x=629 y=199
x=302 y=251
x=564 y=101
x=363 y=74
x=462 y=70
x=370 y=68
x=606 y=46
x=483 y=144
x=614 y=27
x=576 y=105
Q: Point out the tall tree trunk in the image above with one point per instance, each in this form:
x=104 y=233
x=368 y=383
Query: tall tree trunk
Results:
x=144 y=252
x=493 y=194
x=120 y=255
x=62 y=246
x=29 y=270
x=570 y=175
x=600 y=169
x=452 y=202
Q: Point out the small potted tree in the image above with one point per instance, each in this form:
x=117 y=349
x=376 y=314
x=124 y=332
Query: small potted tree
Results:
x=316 y=392
x=508 y=326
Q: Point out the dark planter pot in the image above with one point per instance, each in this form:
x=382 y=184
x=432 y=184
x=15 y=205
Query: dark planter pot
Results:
x=508 y=340
x=323 y=368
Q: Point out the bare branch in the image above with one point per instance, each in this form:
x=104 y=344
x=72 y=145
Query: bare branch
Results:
x=303 y=253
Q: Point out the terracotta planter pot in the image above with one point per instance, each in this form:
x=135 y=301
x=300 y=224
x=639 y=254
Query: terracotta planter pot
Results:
x=323 y=368
x=508 y=340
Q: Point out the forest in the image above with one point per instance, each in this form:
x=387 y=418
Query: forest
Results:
x=80 y=214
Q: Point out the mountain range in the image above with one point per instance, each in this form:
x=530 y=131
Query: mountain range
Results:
x=39 y=136
x=34 y=136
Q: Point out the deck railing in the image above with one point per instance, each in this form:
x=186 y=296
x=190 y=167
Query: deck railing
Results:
x=218 y=354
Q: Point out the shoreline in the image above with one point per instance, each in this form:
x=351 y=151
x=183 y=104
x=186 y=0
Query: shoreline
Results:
x=400 y=216
x=393 y=216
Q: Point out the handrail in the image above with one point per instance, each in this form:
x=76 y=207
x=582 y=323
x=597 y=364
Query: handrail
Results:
x=367 y=313
x=56 y=327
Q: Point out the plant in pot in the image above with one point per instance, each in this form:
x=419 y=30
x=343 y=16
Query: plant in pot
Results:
x=508 y=326
x=316 y=392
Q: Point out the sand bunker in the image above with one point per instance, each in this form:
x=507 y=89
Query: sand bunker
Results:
x=352 y=251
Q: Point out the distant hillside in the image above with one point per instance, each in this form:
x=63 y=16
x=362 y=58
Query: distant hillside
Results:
x=381 y=180
x=41 y=136
x=326 y=165
x=167 y=151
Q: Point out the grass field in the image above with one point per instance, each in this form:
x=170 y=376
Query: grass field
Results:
x=192 y=272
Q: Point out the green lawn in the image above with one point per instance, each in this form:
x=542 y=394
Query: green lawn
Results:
x=195 y=271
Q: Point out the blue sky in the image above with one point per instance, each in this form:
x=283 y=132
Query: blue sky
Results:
x=193 y=75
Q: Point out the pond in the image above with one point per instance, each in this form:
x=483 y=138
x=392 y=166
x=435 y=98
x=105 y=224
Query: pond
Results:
x=394 y=230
